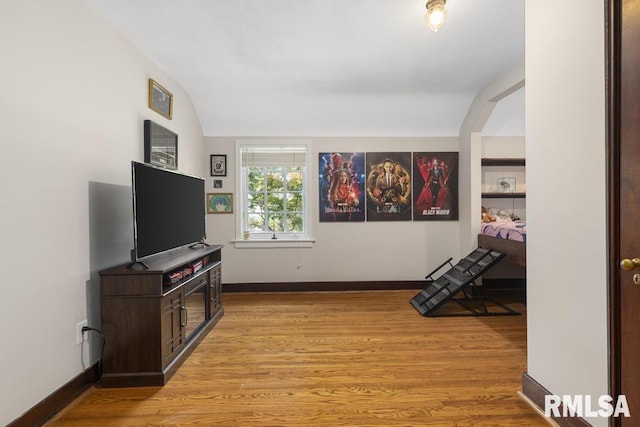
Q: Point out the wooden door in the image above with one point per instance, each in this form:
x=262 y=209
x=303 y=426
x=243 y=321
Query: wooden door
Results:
x=624 y=198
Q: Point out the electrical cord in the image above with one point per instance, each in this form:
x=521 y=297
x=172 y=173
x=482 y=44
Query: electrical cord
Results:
x=87 y=329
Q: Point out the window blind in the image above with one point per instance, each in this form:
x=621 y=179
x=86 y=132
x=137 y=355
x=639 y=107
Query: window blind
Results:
x=280 y=156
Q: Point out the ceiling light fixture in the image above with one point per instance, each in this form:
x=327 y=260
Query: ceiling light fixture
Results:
x=436 y=14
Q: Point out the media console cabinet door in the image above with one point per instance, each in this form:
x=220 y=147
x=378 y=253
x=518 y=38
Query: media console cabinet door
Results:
x=172 y=326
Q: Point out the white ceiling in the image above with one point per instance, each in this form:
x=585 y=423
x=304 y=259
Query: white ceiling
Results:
x=326 y=67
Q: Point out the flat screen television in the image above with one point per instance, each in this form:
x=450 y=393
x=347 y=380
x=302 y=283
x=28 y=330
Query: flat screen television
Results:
x=169 y=210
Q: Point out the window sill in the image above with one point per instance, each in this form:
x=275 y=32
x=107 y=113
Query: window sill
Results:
x=273 y=243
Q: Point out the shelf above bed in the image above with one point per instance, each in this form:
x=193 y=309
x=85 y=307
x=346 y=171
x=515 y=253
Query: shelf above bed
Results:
x=503 y=162
x=504 y=195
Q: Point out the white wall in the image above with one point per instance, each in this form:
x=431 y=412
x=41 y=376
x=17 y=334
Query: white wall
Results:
x=507 y=118
x=343 y=251
x=74 y=97
x=504 y=146
x=566 y=197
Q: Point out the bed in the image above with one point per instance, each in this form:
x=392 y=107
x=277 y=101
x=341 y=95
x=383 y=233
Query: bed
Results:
x=508 y=237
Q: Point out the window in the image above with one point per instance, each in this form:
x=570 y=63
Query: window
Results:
x=273 y=190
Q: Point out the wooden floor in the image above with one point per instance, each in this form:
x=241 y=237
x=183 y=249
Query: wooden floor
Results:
x=332 y=359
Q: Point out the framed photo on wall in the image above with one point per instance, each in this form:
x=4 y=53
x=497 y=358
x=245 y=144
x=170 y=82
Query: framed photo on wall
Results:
x=218 y=165
x=507 y=184
x=160 y=145
x=219 y=203
x=160 y=99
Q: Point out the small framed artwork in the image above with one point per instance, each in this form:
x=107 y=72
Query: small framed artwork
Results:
x=507 y=184
x=218 y=165
x=160 y=99
x=160 y=145
x=217 y=183
x=219 y=203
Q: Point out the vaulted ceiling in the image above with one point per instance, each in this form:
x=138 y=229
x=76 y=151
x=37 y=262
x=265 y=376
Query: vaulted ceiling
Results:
x=326 y=67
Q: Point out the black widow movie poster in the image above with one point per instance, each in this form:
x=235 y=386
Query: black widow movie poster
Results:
x=435 y=183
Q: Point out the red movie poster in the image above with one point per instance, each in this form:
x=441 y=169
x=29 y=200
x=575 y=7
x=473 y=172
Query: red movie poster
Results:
x=435 y=183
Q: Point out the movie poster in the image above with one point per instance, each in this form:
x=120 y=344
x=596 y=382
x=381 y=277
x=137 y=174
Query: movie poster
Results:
x=435 y=180
x=388 y=186
x=341 y=188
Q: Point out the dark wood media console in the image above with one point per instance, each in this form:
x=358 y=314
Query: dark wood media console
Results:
x=153 y=318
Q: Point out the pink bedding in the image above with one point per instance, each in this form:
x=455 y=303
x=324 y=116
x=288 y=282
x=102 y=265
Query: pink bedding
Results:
x=510 y=230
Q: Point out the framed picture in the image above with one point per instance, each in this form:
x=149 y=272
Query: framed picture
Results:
x=160 y=99
x=507 y=184
x=160 y=145
x=219 y=203
x=217 y=183
x=218 y=165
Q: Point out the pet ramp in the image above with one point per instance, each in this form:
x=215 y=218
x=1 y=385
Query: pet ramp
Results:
x=460 y=280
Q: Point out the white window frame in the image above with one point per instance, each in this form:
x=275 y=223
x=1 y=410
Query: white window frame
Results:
x=265 y=240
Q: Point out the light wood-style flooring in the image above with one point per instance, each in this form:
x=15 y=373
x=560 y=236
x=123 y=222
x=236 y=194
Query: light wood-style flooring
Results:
x=332 y=359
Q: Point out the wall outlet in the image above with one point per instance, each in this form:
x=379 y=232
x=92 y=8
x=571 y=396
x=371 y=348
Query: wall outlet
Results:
x=79 y=334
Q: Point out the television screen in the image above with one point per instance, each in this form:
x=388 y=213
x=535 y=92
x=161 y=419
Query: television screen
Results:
x=169 y=209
